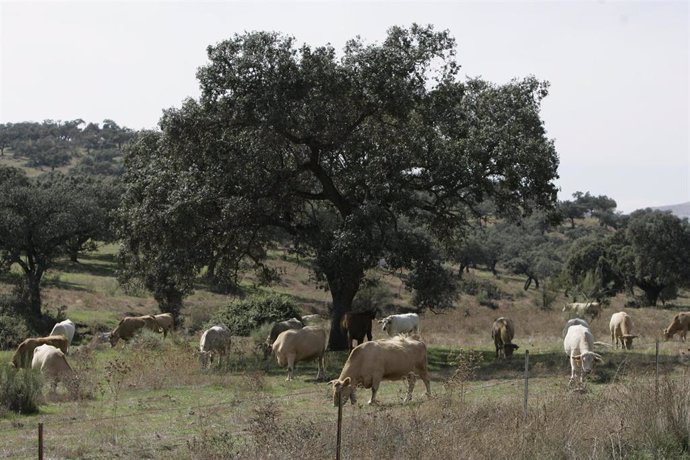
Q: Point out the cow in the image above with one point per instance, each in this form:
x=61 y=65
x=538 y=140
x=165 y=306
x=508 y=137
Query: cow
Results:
x=502 y=331
x=25 y=351
x=573 y=322
x=578 y=345
x=389 y=359
x=357 y=325
x=313 y=320
x=66 y=329
x=621 y=328
x=214 y=341
x=52 y=364
x=679 y=324
x=165 y=322
x=304 y=344
x=400 y=324
x=130 y=325
x=581 y=309
x=280 y=326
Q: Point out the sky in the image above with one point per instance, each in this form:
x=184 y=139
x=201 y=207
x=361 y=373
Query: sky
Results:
x=618 y=105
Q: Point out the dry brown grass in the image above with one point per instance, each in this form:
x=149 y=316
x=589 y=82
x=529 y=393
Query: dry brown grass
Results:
x=150 y=398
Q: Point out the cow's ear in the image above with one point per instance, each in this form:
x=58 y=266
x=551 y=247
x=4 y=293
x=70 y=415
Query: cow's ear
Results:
x=515 y=347
x=346 y=382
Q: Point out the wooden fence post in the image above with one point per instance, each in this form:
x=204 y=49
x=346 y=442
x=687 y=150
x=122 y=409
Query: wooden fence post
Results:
x=657 y=368
x=340 y=423
x=40 y=441
x=526 y=379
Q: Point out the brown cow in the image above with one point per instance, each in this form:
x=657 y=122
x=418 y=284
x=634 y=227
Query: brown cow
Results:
x=357 y=325
x=679 y=323
x=130 y=325
x=390 y=359
x=502 y=331
x=25 y=351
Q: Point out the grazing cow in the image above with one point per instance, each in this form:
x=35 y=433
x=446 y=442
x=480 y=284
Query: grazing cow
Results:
x=680 y=323
x=400 y=324
x=165 y=322
x=313 y=320
x=502 y=331
x=578 y=345
x=130 y=325
x=214 y=341
x=581 y=309
x=53 y=365
x=25 y=351
x=66 y=329
x=372 y=362
x=281 y=326
x=357 y=325
x=573 y=322
x=304 y=344
x=621 y=328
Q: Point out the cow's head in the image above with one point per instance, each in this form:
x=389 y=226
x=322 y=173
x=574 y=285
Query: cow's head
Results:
x=588 y=358
x=385 y=323
x=627 y=341
x=114 y=337
x=668 y=333
x=343 y=390
x=509 y=348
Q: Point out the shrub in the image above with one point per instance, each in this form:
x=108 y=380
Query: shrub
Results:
x=13 y=330
x=242 y=316
x=20 y=389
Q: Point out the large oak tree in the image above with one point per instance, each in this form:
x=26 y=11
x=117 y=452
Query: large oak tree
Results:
x=353 y=157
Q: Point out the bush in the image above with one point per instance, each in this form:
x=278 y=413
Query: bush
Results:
x=242 y=316
x=20 y=389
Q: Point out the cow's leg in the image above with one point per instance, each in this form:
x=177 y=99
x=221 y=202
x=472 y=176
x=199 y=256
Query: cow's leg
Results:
x=290 y=366
x=374 y=388
x=321 y=373
x=411 y=379
x=572 y=370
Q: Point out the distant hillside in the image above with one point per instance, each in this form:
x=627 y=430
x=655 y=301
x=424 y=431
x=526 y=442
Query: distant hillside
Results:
x=681 y=210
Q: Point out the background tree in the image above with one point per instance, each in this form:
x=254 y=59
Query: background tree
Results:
x=348 y=156
x=38 y=218
x=648 y=254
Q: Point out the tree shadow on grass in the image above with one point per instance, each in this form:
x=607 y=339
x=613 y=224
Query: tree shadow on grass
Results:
x=84 y=267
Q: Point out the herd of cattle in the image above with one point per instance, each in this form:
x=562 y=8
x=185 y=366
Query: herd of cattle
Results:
x=401 y=356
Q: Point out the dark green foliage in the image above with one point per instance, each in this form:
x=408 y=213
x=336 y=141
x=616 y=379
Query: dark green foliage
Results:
x=349 y=156
x=47 y=217
x=242 y=316
x=20 y=389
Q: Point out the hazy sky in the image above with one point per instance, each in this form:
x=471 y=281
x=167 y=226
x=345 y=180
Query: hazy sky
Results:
x=617 y=110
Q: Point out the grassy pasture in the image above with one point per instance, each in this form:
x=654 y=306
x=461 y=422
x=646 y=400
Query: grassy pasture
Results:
x=150 y=399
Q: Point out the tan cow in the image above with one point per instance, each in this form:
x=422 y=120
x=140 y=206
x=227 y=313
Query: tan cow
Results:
x=165 y=322
x=130 y=325
x=25 y=351
x=502 y=331
x=304 y=344
x=621 y=329
x=390 y=359
x=680 y=323
x=276 y=329
x=53 y=366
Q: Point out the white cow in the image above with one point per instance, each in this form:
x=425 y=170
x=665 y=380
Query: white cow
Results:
x=66 y=329
x=400 y=324
x=580 y=309
x=578 y=345
x=573 y=322
x=214 y=341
